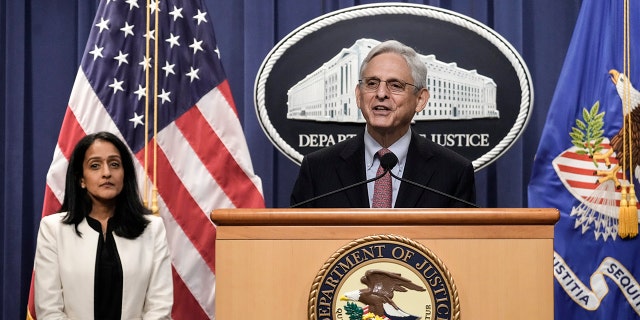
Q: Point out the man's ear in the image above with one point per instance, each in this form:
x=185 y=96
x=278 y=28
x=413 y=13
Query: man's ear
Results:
x=423 y=98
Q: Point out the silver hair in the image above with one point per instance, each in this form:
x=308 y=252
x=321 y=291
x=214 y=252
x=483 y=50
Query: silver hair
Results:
x=418 y=68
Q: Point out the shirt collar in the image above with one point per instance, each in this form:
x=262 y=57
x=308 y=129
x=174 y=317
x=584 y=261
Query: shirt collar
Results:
x=400 y=148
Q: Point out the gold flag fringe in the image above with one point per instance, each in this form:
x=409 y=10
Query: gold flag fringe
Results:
x=628 y=213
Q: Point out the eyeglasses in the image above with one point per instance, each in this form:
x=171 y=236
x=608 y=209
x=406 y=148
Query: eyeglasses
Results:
x=395 y=86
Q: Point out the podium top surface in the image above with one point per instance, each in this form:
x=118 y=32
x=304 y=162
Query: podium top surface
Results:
x=366 y=216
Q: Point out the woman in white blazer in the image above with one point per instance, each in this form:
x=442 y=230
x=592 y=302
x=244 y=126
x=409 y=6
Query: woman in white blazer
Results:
x=104 y=256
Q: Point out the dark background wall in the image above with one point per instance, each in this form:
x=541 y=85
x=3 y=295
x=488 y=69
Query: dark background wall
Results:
x=43 y=42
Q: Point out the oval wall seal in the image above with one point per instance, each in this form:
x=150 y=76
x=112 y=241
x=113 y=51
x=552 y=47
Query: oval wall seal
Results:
x=481 y=90
x=384 y=277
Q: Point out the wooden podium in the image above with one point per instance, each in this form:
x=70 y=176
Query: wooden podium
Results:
x=501 y=260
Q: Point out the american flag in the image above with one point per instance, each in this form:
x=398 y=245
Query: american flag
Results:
x=202 y=160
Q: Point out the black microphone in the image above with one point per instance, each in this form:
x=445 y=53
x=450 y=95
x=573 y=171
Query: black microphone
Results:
x=386 y=162
x=391 y=161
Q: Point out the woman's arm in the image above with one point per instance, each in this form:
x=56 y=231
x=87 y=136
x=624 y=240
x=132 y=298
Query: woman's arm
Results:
x=159 y=297
x=48 y=298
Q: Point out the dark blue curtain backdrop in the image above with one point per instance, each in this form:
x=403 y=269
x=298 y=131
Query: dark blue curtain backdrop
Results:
x=43 y=40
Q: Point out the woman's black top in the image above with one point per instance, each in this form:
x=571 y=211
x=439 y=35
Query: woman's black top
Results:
x=108 y=275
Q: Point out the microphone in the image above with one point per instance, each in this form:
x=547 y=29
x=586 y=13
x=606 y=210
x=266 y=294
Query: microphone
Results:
x=387 y=162
x=391 y=161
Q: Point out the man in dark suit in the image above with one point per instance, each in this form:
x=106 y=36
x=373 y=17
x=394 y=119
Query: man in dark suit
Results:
x=391 y=91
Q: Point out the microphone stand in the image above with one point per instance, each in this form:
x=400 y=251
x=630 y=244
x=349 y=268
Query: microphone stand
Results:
x=434 y=191
x=386 y=170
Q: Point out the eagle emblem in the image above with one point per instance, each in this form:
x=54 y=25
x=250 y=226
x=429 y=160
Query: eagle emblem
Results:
x=600 y=172
x=378 y=296
x=384 y=277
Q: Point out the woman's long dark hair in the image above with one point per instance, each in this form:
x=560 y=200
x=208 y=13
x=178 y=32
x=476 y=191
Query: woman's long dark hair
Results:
x=128 y=220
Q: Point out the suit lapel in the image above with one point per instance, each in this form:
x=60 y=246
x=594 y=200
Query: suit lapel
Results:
x=351 y=170
x=416 y=169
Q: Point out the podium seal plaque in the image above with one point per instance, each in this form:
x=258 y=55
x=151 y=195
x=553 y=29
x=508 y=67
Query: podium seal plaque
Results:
x=384 y=277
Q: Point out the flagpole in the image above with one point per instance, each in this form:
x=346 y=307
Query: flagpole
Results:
x=146 y=115
x=154 y=199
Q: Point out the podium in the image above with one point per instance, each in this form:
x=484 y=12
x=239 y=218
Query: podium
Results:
x=501 y=260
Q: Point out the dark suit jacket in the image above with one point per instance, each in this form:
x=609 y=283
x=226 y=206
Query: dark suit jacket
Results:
x=342 y=164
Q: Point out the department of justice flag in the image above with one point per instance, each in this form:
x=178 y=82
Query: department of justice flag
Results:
x=579 y=162
x=202 y=160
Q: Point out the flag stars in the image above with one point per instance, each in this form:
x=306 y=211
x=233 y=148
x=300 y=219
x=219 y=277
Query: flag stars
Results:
x=103 y=25
x=176 y=13
x=193 y=74
x=200 y=17
x=173 y=40
x=96 y=52
x=137 y=120
x=155 y=5
x=150 y=34
x=116 y=85
x=168 y=68
x=121 y=58
x=145 y=63
x=196 y=45
x=164 y=96
x=127 y=29
x=141 y=92
x=132 y=3
x=217 y=51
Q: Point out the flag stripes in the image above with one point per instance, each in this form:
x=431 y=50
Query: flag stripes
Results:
x=203 y=162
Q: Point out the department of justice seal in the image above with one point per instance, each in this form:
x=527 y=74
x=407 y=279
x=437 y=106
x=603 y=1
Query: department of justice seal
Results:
x=384 y=277
x=481 y=90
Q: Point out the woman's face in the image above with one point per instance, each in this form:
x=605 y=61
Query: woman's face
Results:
x=102 y=172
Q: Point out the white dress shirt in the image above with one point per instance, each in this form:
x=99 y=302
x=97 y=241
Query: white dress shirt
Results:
x=399 y=148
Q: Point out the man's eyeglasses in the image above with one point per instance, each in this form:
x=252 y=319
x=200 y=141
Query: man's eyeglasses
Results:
x=395 y=86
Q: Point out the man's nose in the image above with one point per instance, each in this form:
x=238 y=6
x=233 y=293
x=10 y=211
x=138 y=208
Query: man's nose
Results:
x=382 y=91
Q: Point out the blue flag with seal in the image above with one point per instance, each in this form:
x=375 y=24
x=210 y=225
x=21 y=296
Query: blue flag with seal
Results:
x=587 y=164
